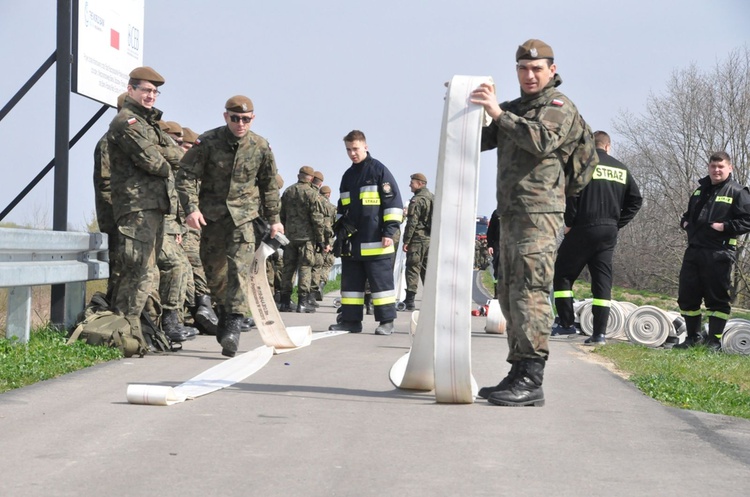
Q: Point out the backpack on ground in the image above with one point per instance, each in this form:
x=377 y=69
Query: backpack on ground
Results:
x=98 y=324
x=582 y=161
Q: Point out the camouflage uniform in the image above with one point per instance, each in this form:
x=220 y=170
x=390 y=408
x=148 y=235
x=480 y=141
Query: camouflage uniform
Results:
x=141 y=181
x=302 y=217
x=105 y=216
x=328 y=258
x=417 y=237
x=533 y=137
x=237 y=177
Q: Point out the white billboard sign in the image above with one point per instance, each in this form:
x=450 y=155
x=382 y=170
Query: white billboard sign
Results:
x=107 y=45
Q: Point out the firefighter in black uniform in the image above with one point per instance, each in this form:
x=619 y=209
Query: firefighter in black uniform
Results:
x=369 y=214
x=718 y=212
x=592 y=220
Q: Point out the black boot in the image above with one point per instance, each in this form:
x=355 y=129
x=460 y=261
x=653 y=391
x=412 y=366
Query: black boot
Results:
x=247 y=324
x=171 y=326
x=485 y=392
x=230 y=340
x=526 y=389
x=303 y=304
x=204 y=316
x=368 y=304
x=350 y=326
x=690 y=341
x=312 y=301
x=222 y=326
x=694 y=334
x=385 y=328
x=409 y=300
x=285 y=302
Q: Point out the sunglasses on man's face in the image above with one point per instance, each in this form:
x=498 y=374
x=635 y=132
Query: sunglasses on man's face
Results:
x=242 y=119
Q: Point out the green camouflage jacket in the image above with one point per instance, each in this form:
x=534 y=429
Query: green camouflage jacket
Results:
x=237 y=177
x=329 y=218
x=533 y=137
x=419 y=216
x=302 y=213
x=141 y=177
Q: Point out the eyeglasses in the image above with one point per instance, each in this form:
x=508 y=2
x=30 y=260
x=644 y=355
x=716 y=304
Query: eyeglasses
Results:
x=147 y=91
x=243 y=119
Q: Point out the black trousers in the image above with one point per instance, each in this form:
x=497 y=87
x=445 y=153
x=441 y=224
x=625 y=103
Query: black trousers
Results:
x=379 y=274
x=706 y=276
x=592 y=246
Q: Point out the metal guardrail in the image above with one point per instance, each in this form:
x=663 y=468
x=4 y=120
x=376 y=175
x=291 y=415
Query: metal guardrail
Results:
x=35 y=257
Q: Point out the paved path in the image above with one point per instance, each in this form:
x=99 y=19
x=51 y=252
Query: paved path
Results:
x=325 y=421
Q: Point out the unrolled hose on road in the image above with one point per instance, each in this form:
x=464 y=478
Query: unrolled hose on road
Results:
x=736 y=337
x=649 y=326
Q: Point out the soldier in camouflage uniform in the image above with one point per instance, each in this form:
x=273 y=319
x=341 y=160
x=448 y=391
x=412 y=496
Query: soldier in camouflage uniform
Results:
x=330 y=217
x=533 y=135
x=105 y=216
x=236 y=171
x=275 y=261
x=417 y=236
x=302 y=218
x=141 y=182
x=315 y=292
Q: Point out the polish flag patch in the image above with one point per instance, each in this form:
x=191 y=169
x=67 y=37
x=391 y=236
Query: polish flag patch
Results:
x=197 y=141
x=558 y=103
x=132 y=121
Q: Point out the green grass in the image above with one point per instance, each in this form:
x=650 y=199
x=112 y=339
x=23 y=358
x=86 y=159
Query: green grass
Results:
x=696 y=379
x=46 y=356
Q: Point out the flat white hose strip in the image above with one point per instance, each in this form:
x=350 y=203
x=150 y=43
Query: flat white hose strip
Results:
x=440 y=357
x=649 y=326
x=736 y=337
x=276 y=337
x=615 y=324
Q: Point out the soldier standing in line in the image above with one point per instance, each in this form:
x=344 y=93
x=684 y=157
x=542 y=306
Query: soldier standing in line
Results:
x=593 y=218
x=141 y=181
x=330 y=217
x=302 y=218
x=236 y=171
x=417 y=236
x=315 y=293
x=105 y=216
x=533 y=135
x=369 y=214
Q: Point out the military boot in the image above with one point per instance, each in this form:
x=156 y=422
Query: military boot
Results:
x=222 y=326
x=485 y=392
x=409 y=301
x=303 y=304
x=171 y=326
x=350 y=326
x=312 y=301
x=230 y=340
x=247 y=324
x=525 y=389
x=204 y=314
x=285 y=302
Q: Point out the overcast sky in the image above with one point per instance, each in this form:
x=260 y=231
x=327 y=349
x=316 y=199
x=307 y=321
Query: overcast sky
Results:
x=317 y=69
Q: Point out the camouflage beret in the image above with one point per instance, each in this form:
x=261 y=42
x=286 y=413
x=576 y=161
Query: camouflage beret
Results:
x=239 y=103
x=306 y=170
x=188 y=135
x=534 y=49
x=279 y=181
x=318 y=175
x=325 y=189
x=148 y=74
x=121 y=100
x=419 y=177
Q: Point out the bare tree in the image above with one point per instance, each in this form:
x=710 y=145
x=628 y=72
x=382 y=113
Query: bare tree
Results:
x=667 y=149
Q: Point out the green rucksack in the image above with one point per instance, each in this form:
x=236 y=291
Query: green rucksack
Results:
x=99 y=325
x=582 y=161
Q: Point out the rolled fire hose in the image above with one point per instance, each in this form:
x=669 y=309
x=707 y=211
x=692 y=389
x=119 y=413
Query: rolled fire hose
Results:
x=649 y=326
x=276 y=338
x=440 y=357
x=495 y=319
x=615 y=325
x=578 y=305
x=736 y=337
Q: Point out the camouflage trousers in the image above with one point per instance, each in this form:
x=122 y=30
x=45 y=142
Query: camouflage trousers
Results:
x=191 y=244
x=175 y=274
x=227 y=253
x=416 y=262
x=299 y=255
x=140 y=242
x=274 y=270
x=528 y=248
x=105 y=218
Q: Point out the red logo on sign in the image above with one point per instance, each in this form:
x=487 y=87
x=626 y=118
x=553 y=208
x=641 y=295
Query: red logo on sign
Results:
x=114 y=39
